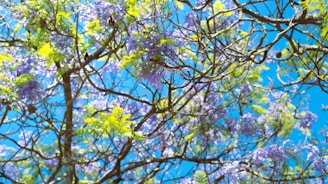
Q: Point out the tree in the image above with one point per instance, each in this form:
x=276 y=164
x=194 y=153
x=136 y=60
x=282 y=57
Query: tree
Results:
x=162 y=91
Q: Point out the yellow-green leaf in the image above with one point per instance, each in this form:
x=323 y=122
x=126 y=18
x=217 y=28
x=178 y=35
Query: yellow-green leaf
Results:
x=18 y=27
x=92 y=27
x=23 y=80
x=179 y=4
x=46 y=50
x=5 y=57
x=258 y=109
x=190 y=136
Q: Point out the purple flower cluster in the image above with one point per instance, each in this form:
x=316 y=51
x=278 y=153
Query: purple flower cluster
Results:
x=275 y=152
x=311 y=150
x=232 y=125
x=31 y=90
x=154 y=76
x=307 y=119
x=104 y=10
x=156 y=53
x=190 y=20
x=228 y=170
x=26 y=66
x=246 y=88
x=200 y=2
x=249 y=125
x=51 y=163
x=207 y=106
x=319 y=164
x=24 y=138
x=11 y=170
x=62 y=43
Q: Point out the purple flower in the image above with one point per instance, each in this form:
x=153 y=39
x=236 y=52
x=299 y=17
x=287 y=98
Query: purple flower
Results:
x=51 y=163
x=259 y=157
x=306 y=119
x=275 y=152
x=190 y=19
x=199 y=2
x=189 y=181
x=93 y=167
x=178 y=36
x=30 y=91
x=105 y=9
x=312 y=151
x=318 y=164
x=154 y=78
x=131 y=44
x=12 y=171
x=248 y=127
x=246 y=88
x=229 y=168
x=24 y=137
x=26 y=66
x=63 y=43
x=132 y=108
x=277 y=95
x=232 y=125
x=168 y=152
x=218 y=114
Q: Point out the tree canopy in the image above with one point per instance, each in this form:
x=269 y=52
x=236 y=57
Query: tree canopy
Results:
x=163 y=91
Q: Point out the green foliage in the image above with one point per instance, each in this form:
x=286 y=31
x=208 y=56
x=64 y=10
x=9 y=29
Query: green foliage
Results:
x=220 y=7
x=179 y=4
x=190 y=136
x=92 y=27
x=200 y=177
x=318 y=8
x=46 y=50
x=23 y=80
x=163 y=103
x=204 y=68
x=130 y=60
x=133 y=10
x=255 y=74
x=315 y=5
x=150 y=181
x=4 y=90
x=165 y=41
x=258 y=109
x=116 y=123
x=5 y=57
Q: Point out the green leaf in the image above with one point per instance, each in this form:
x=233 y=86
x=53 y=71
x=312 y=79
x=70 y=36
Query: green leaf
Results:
x=46 y=50
x=190 y=136
x=255 y=75
x=258 y=109
x=28 y=179
x=150 y=181
x=179 y=4
x=130 y=60
x=117 y=123
x=165 y=41
x=4 y=90
x=18 y=27
x=302 y=72
x=23 y=80
x=5 y=57
x=92 y=27
x=200 y=177
x=163 y=103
